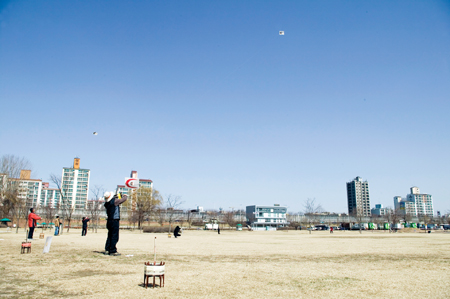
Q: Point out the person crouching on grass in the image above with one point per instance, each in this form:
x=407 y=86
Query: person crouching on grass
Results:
x=85 y=222
x=112 y=205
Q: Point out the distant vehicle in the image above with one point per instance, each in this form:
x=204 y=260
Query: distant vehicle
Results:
x=396 y=226
x=211 y=226
x=364 y=226
x=322 y=227
x=446 y=226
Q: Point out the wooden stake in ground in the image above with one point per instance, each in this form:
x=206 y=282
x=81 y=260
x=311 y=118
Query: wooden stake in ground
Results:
x=154 y=251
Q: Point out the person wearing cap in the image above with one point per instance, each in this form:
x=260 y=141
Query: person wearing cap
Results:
x=112 y=205
x=57 y=223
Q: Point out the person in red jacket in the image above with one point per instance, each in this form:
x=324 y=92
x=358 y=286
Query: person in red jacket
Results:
x=32 y=217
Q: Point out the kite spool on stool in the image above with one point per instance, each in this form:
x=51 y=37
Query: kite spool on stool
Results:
x=154 y=270
x=26 y=246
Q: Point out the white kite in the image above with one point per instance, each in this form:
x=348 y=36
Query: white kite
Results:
x=281 y=32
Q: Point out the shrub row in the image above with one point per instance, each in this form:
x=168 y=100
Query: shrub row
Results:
x=156 y=229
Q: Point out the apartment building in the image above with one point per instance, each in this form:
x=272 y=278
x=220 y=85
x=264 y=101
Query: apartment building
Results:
x=75 y=185
x=358 y=199
x=415 y=203
x=379 y=210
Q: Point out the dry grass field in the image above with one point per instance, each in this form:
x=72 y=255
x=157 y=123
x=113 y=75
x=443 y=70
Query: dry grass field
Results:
x=203 y=264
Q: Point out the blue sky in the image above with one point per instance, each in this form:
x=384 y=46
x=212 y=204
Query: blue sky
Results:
x=210 y=102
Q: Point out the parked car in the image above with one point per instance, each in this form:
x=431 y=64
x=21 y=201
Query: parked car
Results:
x=322 y=227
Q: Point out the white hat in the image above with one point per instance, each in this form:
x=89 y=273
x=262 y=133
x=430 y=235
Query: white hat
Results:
x=108 y=195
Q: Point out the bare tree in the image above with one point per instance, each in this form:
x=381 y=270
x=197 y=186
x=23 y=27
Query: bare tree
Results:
x=359 y=216
x=49 y=213
x=65 y=204
x=173 y=202
x=310 y=210
x=94 y=206
x=12 y=165
x=12 y=193
x=407 y=216
x=388 y=217
x=397 y=216
x=425 y=219
x=161 y=216
x=189 y=216
x=144 y=202
x=229 y=218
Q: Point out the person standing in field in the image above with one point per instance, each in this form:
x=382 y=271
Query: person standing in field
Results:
x=112 y=205
x=57 y=223
x=331 y=230
x=32 y=217
x=85 y=225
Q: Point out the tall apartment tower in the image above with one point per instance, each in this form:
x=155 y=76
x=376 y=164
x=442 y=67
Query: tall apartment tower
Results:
x=415 y=203
x=358 y=197
x=75 y=185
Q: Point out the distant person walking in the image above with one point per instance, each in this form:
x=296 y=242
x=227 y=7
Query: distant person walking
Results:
x=331 y=230
x=112 y=205
x=85 y=225
x=218 y=230
x=32 y=217
x=57 y=223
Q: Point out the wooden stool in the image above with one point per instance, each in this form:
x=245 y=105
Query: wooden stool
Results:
x=26 y=246
x=154 y=270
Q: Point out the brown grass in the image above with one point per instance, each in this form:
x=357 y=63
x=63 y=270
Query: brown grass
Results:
x=203 y=264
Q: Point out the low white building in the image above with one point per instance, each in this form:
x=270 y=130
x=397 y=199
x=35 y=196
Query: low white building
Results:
x=266 y=217
x=379 y=210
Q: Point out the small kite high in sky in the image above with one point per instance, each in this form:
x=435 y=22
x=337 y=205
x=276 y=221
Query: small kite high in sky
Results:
x=281 y=32
x=95 y=133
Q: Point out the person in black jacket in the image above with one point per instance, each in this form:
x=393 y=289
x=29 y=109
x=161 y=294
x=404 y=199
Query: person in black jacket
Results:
x=112 y=205
x=84 y=230
x=176 y=232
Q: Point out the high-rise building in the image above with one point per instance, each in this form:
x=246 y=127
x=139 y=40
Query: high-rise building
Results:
x=358 y=197
x=28 y=189
x=50 y=197
x=415 y=203
x=75 y=185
